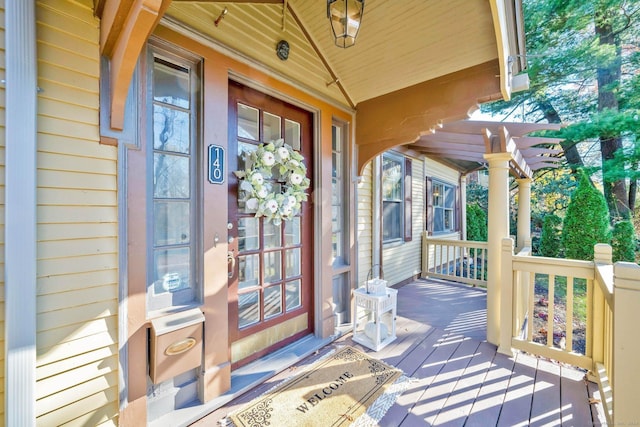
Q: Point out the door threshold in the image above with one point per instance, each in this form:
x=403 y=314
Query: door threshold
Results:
x=245 y=378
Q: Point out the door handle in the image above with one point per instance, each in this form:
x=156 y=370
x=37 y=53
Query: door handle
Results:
x=231 y=259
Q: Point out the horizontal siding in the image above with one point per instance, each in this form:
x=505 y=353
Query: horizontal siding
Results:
x=2 y=216
x=441 y=172
x=364 y=232
x=402 y=261
x=77 y=283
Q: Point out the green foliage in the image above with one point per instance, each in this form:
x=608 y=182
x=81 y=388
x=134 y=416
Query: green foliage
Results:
x=476 y=223
x=587 y=221
x=623 y=242
x=551 y=239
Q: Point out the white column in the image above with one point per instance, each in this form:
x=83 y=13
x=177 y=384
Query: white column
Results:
x=524 y=212
x=376 y=214
x=498 y=229
x=20 y=213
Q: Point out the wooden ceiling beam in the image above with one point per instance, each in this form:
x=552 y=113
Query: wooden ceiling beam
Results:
x=449 y=147
x=515 y=129
x=401 y=117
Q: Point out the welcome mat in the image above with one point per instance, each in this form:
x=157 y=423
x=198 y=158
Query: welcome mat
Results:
x=346 y=388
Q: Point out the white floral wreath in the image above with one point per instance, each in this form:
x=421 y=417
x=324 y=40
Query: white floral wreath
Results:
x=279 y=161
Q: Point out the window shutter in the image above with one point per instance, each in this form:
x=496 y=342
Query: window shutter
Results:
x=408 y=199
x=429 y=205
x=457 y=209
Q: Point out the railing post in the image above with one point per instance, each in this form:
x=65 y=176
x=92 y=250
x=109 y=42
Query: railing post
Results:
x=507 y=297
x=524 y=212
x=626 y=345
x=602 y=256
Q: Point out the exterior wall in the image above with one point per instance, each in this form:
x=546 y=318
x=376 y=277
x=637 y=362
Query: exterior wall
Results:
x=77 y=365
x=402 y=261
x=364 y=230
x=2 y=172
x=441 y=172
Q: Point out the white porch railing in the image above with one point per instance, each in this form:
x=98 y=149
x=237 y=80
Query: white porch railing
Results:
x=585 y=313
x=457 y=260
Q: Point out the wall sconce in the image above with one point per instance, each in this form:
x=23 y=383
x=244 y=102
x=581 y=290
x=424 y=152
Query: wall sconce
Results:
x=345 y=17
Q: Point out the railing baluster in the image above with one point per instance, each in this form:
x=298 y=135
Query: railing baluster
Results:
x=601 y=333
x=569 y=316
x=531 y=304
x=551 y=309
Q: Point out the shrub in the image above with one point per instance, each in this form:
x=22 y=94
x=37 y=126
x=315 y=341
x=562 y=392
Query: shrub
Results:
x=623 y=242
x=476 y=223
x=586 y=222
x=551 y=239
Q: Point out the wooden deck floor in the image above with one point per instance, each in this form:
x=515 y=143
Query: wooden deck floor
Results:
x=458 y=378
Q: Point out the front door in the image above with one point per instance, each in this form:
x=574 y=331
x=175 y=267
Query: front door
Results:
x=271 y=268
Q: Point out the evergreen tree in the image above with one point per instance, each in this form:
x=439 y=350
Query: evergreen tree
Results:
x=623 y=242
x=550 y=241
x=476 y=223
x=587 y=221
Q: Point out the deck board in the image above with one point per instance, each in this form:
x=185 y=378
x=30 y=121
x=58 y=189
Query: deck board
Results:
x=459 y=379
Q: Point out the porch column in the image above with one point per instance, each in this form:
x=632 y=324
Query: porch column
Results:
x=463 y=207
x=20 y=214
x=498 y=229
x=524 y=213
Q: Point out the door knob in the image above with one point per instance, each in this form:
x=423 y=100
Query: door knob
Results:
x=231 y=259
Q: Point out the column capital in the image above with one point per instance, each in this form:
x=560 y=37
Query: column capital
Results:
x=524 y=181
x=497 y=157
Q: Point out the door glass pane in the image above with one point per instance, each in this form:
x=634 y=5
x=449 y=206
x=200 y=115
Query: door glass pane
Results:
x=249 y=271
x=272 y=267
x=272 y=235
x=272 y=301
x=248 y=231
x=171 y=223
x=293 y=297
x=170 y=83
x=292 y=262
x=271 y=127
x=248 y=309
x=248 y=122
x=244 y=147
x=292 y=134
x=170 y=129
x=292 y=231
x=171 y=269
x=171 y=176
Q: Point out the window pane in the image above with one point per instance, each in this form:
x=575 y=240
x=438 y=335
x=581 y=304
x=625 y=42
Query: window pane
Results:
x=171 y=176
x=391 y=179
x=272 y=267
x=438 y=219
x=448 y=219
x=438 y=195
x=272 y=235
x=271 y=127
x=293 y=297
x=248 y=122
x=248 y=309
x=292 y=231
x=248 y=234
x=249 y=271
x=272 y=301
x=292 y=262
x=171 y=223
x=172 y=269
x=392 y=220
x=292 y=134
x=450 y=197
x=170 y=83
x=170 y=129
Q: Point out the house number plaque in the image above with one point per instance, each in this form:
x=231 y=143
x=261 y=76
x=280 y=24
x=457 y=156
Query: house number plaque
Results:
x=216 y=164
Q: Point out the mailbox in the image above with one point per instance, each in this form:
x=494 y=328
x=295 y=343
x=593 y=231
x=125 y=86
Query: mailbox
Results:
x=176 y=344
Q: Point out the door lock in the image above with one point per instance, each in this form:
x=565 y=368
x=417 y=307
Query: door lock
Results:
x=231 y=259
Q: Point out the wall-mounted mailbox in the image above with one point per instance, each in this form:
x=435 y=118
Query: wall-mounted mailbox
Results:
x=176 y=344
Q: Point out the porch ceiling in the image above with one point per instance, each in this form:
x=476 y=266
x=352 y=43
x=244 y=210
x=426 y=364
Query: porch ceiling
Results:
x=462 y=144
x=400 y=44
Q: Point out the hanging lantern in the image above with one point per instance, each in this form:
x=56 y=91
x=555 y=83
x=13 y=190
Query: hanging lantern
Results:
x=345 y=17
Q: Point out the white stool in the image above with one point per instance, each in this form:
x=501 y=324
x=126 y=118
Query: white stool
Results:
x=374 y=320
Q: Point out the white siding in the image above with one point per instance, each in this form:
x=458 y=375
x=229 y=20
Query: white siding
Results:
x=364 y=232
x=77 y=366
